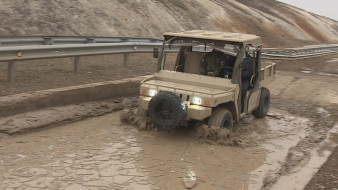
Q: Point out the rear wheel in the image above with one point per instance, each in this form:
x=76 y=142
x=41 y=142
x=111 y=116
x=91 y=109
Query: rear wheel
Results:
x=221 y=118
x=264 y=104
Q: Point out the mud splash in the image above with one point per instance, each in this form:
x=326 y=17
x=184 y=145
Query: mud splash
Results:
x=243 y=135
x=130 y=117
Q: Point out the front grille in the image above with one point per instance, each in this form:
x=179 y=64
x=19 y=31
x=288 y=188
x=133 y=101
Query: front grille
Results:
x=184 y=97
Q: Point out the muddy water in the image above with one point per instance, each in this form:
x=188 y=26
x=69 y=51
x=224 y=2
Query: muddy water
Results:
x=169 y=157
x=100 y=153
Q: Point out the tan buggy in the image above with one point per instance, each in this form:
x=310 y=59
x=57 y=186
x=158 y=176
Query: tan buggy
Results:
x=217 y=78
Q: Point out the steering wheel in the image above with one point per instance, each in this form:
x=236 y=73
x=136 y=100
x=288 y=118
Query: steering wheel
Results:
x=226 y=71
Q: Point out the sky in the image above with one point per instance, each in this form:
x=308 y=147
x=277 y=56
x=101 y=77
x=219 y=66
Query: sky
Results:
x=328 y=8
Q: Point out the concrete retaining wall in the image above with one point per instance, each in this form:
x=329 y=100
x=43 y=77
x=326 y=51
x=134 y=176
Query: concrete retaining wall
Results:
x=20 y=103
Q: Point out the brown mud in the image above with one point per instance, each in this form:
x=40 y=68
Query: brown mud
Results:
x=327 y=176
x=54 y=116
x=130 y=117
x=167 y=158
x=102 y=153
x=322 y=121
x=249 y=134
x=242 y=135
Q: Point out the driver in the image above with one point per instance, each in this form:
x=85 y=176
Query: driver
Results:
x=226 y=66
x=210 y=63
x=217 y=64
x=247 y=72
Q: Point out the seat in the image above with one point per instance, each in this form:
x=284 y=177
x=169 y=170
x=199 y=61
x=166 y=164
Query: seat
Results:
x=192 y=62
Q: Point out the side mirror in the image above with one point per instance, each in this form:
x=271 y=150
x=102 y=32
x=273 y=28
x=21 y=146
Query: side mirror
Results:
x=155 y=53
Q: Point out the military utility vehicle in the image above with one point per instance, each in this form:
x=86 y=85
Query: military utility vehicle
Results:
x=217 y=78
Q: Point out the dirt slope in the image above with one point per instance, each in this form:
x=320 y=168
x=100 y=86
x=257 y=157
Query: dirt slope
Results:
x=279 y=24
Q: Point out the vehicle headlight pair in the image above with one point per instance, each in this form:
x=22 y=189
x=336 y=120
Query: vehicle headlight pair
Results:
x=195 y=100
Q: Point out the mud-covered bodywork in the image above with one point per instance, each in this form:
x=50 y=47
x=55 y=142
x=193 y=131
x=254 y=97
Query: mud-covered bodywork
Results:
x=199 y=93
x=209 y=74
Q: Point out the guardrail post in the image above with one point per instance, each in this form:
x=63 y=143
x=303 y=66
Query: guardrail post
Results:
x=90 y=41
x=125 y=60
x=11 y=71
x=48 y=41
x=76 y=64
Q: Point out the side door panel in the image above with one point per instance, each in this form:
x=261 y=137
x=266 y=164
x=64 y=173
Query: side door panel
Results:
x=254 y=99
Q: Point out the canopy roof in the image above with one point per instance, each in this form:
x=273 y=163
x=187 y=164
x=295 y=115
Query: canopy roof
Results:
x=216 y=35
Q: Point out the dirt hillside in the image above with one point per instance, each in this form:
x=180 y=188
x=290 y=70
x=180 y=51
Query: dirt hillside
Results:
x=279 y=24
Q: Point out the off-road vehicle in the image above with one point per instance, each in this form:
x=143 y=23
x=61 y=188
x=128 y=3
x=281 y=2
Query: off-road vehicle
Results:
x=217 y=78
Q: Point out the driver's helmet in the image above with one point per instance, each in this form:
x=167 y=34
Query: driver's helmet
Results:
x=222 y=63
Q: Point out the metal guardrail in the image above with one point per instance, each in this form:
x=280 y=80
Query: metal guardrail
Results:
x=17 y=53
x=7 y=41
x=27 y=48
x=18 y=48
x=300 y=53
x=297 y=57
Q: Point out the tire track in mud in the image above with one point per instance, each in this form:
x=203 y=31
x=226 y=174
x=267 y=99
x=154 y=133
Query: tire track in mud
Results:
x=295 y=79
x=298 y=156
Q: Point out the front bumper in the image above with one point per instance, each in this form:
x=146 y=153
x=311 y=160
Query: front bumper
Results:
x=195 y=112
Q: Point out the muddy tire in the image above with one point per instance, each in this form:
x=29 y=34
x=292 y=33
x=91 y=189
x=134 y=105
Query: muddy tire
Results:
x=221 y=118
x=166 y=111
x=264 y=104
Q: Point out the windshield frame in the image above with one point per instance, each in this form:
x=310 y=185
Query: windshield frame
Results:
x=174 y=44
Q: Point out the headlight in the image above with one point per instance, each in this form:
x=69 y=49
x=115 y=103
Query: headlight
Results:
x=152 y=92
x=197 y=100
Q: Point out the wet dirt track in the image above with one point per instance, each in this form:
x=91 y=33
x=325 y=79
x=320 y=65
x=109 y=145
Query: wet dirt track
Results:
x=101 y=153
x=91 y=154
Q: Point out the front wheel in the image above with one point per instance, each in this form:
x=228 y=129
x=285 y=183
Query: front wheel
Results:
x=221 y=118
x=264 y=104
x=166 y=110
